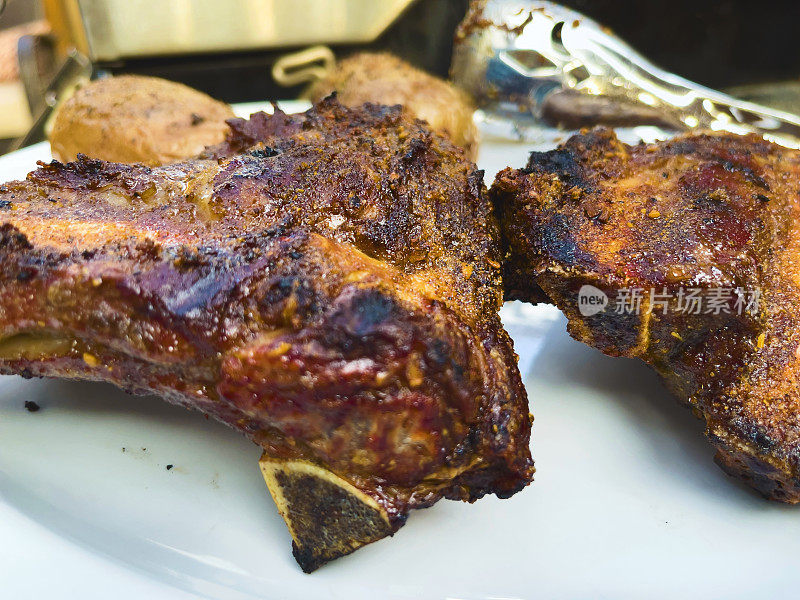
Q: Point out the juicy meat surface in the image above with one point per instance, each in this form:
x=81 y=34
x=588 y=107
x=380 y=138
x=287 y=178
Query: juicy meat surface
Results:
x=713 y=217
x=326 y=283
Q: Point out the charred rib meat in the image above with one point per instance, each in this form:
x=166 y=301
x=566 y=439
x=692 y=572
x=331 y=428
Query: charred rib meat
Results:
x=326 y=283
x=711 y=216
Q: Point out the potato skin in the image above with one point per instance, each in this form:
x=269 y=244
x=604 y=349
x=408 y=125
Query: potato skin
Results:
x=386 y=79
x=137 y=119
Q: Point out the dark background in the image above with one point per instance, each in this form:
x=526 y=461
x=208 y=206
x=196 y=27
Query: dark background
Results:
x=720 y=43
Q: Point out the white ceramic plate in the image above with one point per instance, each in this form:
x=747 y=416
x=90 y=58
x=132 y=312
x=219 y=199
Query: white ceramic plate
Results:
x=626 y=504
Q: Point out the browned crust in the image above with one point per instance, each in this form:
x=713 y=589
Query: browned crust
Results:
x=700 y=211
x=386 y=79
x=325 y=283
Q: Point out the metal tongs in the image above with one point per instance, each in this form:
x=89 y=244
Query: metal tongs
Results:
x=515 y=56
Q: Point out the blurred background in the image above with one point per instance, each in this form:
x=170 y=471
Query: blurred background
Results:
x=250 y=50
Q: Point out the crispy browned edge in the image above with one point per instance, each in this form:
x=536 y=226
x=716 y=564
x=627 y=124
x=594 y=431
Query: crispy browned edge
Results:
x=384 y=78
x=565 y=224
x=361 y=522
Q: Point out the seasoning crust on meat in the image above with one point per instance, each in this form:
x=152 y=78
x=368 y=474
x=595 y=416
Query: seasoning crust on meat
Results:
x=326 y=283
x=712 y=213
x=387 y=79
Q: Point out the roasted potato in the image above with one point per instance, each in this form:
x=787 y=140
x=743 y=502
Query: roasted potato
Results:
x=386 y=79
x=135 y=119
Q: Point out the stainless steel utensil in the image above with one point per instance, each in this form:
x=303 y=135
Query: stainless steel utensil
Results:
x=75 y=70
x=513 y=55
